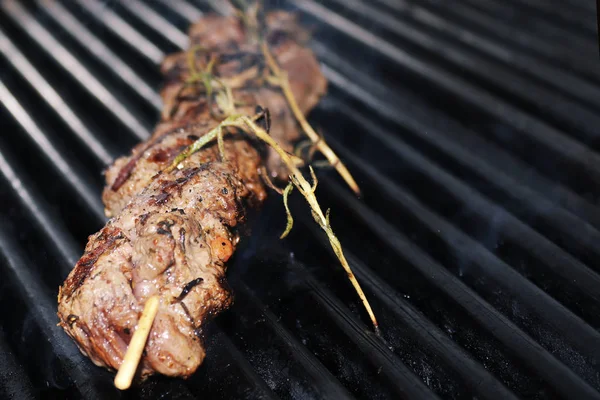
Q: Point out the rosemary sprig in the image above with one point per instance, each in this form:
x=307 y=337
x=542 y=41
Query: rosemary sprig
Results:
x=280 y=78
x=297 y=179
x=290 y=219
x=223 y=91
x=226 y=102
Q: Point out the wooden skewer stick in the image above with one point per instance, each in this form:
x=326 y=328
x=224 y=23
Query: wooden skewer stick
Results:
x=136 y=345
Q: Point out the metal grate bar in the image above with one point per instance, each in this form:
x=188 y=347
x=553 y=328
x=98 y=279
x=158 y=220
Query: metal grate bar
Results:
x=219 y=7
x=574 y=7
x=490 y=71
x=551 y=256
x=566 y=225
x=521 y=345
x=102 y=52
x=14 y=382
x=372 y=347
x=73 y=66
x=142 y=12
x=226 y=373
x=448 y=136
x=124 y=31
x=479 y=380
x=466 y=248
x=520 y=61
x=56 y=159
x=153 y=19
x=518 y=230
x=514 y=36
x=275 y=335
x=115 y=23
x=554 y=33
x=48 y=222
x=47 y=92
x=258 y=388
x=417 y=327
x=184 y=9
x=576 y=19
x=539 y=131
x=583 y=5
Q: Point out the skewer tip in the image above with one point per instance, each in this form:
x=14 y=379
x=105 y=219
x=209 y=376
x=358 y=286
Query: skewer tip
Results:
x=132 y=358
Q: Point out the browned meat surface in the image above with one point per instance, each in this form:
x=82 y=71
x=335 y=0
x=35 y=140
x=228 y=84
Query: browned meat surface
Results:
x=177 y=232
x=240 y=62
x=172 y=233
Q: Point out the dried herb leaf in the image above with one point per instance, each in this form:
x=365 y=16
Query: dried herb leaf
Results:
x=290 y=219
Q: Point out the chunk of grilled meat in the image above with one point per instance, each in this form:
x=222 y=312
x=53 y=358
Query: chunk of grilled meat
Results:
x=173 y=240
x=172 y=233
x=240 y=64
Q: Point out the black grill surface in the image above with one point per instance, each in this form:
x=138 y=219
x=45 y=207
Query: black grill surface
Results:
x=472 y=127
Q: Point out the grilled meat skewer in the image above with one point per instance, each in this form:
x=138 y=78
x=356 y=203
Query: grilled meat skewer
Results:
x=173 y=239
x=172 y=233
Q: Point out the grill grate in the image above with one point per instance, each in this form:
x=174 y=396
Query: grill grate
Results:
x=471 y=128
